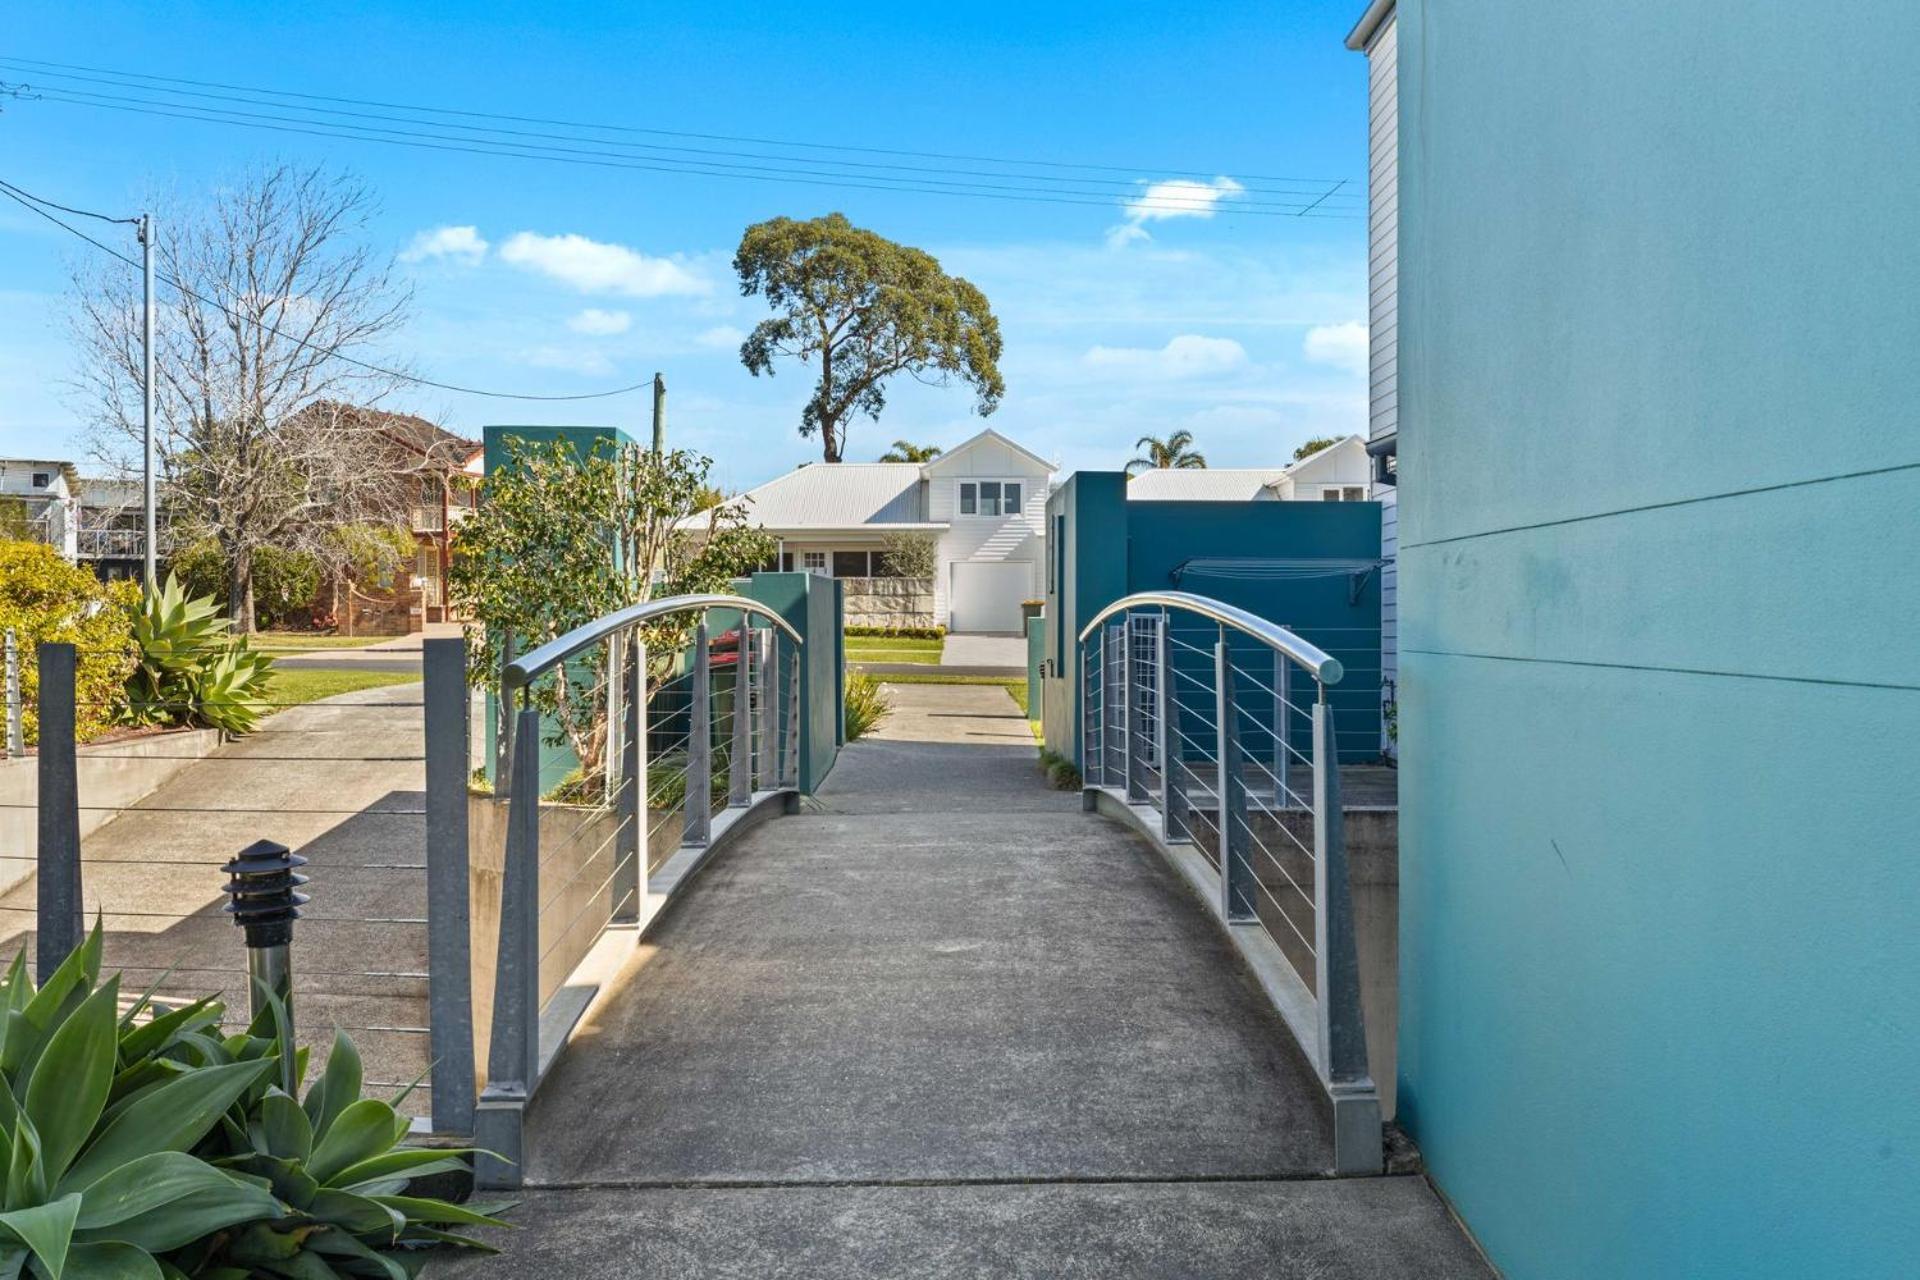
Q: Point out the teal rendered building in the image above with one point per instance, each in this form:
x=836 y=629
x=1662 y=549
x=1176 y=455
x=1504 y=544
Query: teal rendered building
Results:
x=1644 y=365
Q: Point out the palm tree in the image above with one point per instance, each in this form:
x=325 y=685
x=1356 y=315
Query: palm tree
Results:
x=1176 y=451
x=907 y=451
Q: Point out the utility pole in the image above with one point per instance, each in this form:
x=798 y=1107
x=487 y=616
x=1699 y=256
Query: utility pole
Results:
x=659 y=415
x=149 y=530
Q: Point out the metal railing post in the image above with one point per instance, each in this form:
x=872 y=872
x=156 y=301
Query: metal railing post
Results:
x=503 y=723
x=513 y=1057
x=1230 y=792
x=766 y=666
x=1113 y=714
x=59 y=926
x=16 y=740
x=698 y=818
x=790 y=770
x=1137 y=741
x=449 y=943
x=1282 y=725
x=1173 y=787
x=1343 y=1029
x=740 y=749
x=630 y=848
x=1089 y=717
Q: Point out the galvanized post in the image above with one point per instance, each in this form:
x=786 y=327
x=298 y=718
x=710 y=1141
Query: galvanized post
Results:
x=1137 y=741
x=1342 y=1057
x=767 y=666
x=513 y=1057
x=740 y=752
x=60 y=926
x=697 y=821
x=449 y=943
x=1113 y=716
x=790 y=770
x=503 y=723
x=1282 y=725
x=16 y=743
x=1230 y=793
x=613 y=752
x=630 y=846
x=1173 y=786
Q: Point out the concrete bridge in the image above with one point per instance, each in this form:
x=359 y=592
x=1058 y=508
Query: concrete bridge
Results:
x=946 y=1022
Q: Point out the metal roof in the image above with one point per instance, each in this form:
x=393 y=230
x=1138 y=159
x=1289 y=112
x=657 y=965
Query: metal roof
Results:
x=1203 y=484
x=839 y=495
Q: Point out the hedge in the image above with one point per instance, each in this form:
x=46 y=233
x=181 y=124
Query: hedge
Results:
x=45 y=599
x=899 y=633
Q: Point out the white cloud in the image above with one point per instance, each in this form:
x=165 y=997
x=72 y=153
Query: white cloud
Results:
x=462 y=243
x=721 y=337
x=571 y=359
x=1188 y=356
x=592 y=266
x=599 y=324
x=1344 y=346
x=1172 y=198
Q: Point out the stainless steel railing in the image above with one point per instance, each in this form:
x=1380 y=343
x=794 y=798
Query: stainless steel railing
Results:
x=693 y=726
x=1212 y=725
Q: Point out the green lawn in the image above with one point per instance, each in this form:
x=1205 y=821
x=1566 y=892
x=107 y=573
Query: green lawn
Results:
x=294 y=686
x=303 y=641
x=894 y=649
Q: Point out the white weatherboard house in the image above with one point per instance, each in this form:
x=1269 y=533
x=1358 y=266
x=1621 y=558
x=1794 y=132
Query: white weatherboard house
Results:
x=984 y=502
x=1341 y=472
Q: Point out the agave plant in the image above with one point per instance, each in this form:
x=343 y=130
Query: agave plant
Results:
x=146 y=1146
x=192 y=671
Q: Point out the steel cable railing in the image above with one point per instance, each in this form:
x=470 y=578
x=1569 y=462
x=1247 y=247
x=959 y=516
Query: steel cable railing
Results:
x=1196 y=718
x=698 y=697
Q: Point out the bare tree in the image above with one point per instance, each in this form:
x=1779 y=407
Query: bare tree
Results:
x=265 y=295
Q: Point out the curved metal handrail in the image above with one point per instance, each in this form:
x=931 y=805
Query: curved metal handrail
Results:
x=529 y=667
x=1323 y=666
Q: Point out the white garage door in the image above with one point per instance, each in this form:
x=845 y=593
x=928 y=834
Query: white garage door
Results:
x=986 y=596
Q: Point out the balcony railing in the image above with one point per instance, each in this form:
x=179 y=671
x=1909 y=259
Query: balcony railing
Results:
x=427 y=519
x=111 y=544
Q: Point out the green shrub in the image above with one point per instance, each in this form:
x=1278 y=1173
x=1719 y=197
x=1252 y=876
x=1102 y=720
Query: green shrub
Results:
x=1060 y=770
x=43 y=598
x=154 y=1148
x=867 y=704
x=191 y=671
x=898 y=633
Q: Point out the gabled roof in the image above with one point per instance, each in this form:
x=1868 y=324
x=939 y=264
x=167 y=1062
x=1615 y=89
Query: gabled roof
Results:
x=961 y=449
x=838 y=495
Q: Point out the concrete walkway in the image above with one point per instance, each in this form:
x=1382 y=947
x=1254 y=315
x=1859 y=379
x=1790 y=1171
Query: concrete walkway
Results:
x=340 y=781
x=947 y=1025
x=998 y=652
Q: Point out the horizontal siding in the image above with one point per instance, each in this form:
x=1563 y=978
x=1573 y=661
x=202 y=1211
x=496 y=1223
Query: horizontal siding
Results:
x=1383 y=231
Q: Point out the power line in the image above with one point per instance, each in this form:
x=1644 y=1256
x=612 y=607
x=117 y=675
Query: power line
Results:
x=32 y=203
x=78 y=213
x=356 y=133
x=656 y=132
x=1318 y=190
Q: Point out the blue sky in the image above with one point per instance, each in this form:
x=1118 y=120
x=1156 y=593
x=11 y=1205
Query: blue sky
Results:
x=1246 y=329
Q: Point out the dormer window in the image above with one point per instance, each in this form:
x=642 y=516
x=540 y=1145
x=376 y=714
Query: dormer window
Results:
x=42 y=479
x=990 y=497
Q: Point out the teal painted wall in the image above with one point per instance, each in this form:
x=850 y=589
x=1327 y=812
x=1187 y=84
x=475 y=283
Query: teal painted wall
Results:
x=811 y=605
x=1658 y=674
x=1109 y=547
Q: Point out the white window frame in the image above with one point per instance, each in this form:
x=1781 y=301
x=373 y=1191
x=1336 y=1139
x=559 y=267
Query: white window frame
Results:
x=999 y=511
x=813 y=562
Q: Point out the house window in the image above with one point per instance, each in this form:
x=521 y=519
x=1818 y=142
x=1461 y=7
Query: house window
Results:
x=814 y=561
x=1354 y=493
x=42 y=479
x=989 y=498
x=850 y=564
x=786 y=562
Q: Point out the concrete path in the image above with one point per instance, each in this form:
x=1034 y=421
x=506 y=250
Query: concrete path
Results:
x=946 y=1025
x=339 y=781
x=1000 y=652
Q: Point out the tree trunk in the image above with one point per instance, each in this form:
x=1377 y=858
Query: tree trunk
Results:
x=240 y=591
